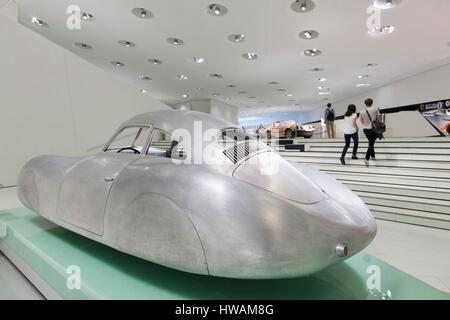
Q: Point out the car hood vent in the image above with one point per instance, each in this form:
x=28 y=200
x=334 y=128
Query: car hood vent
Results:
x=243 y=150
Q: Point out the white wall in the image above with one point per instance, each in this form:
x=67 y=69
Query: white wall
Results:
x=52 y=101
x=224 y=111
x=213 y=107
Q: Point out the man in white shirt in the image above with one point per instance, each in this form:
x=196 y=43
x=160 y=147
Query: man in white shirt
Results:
x=367 y=116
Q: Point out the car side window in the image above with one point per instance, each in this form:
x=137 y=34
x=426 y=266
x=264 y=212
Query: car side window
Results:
x=161 y=144
x=133 y=138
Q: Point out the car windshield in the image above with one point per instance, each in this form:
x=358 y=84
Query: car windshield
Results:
x=234 y=135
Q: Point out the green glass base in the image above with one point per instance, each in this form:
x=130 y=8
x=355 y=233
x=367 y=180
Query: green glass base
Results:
x=56 y=255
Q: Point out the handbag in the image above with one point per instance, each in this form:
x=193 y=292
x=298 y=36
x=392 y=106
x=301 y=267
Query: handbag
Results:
x=377 y=126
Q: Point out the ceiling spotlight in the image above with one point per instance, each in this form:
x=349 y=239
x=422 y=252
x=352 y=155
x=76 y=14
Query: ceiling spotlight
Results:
x=250 y=56
x=38 y=22
x=363 y=76
x=273 y=83
x=324 y=93
x=316 y=69
x=82 y=46
x=363 y=85
x=142 y=13
x=117 y=63
x=321 y=88
x=381 y=30
x=252 y=97
x=198 y=59
x=146 y=78
x=186 y=95
x=322 y=79
x=87 y=16
x=371 y=65
x=243 y=92
x=143 y=91
x=312 y=52
x=175 y=41
x=231 y=86
x=127 y=44
x=236 y=37
x=308 y=34
x=215 y=76
x=155 y=61
x=302 y=6
x=216 y=10
x=386 y=4
x=182 y=77
x=289 y=95
x=281 y=90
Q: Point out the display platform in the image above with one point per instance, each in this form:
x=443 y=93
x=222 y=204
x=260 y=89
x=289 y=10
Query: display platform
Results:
x=51 y=257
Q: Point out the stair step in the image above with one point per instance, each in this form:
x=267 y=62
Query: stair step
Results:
x=420 y=204
x=411 y=191
x=377 y=164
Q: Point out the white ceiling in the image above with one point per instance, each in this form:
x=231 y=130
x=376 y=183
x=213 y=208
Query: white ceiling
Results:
x=421 y=40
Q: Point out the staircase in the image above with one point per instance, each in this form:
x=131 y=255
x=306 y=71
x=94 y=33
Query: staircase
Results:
x=408 y=183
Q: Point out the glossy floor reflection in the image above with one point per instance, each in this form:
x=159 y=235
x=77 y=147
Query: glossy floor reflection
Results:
x=109 y=274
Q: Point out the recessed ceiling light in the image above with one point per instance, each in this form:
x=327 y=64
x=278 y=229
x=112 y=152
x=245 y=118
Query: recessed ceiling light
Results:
x=197 y=59
x=38 y=22
x=289 y=95
x=216 y=10
x=312 y=52
x=117 y=63
x=316 y=69
x=155 y=61
x=250 y=56
x=82 y=46
x=273 y=83
x=363 y=76
x=386 y=4
x=215 y=76
x=302 y=6
x=324 y=93
x=252 y=97
x=186 y=95
x=142 y=13
x=231 y=86
x=371 y=65
x=235 y=37
x=321 y=88
x=182 y=77
x=243 y=92
x=381 y=30
x=281 y=90
x=127 y=44
x=146 y=78
x=308 y=34
x=143 y=91
x=363 y=85
x=175 y=41
x=322 y=79
x=87 y=16
x=198 y=89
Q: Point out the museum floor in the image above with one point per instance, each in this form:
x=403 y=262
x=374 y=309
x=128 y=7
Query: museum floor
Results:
x=405 y=247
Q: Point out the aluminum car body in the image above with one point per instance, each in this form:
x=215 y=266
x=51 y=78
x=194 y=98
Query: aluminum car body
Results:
x=224 y=218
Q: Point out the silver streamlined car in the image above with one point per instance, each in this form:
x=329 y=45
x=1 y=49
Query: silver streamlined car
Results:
x=223 y=218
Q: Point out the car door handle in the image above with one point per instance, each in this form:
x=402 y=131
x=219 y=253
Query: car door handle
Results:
x=109 y=179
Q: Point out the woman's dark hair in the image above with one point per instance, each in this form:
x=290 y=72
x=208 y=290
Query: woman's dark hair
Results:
x=350 y=110
x=369 y=102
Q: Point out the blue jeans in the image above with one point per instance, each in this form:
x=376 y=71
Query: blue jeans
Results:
x=348 y=138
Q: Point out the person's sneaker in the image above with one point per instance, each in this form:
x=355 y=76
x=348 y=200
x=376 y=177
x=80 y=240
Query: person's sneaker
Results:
x=343 y=161
x=355 y=158
x=366 y=162
x=373 y=158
